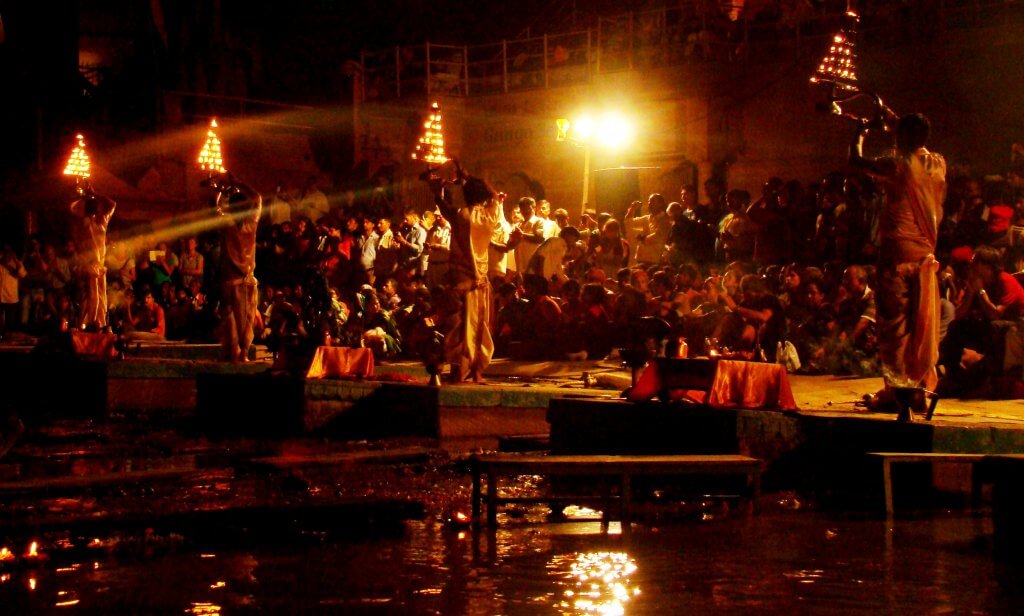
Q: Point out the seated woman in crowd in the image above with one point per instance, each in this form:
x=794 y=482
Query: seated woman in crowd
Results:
x=973 y=351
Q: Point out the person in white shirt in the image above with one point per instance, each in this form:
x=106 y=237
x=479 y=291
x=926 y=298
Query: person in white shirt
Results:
x=437 y=246
x=531 y=231
x=312 y=202
x=652 y=230
x=551 y=227
x=498 y=251
x=279 y=209
x=550 y=257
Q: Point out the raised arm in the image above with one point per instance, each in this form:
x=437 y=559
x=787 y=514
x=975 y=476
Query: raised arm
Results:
x=882 y=167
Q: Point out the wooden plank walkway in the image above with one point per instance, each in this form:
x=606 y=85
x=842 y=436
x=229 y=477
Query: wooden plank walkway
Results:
x=624 y=468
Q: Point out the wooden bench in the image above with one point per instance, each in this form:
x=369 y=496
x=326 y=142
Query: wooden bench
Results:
x=890 y=458
x=624 y=468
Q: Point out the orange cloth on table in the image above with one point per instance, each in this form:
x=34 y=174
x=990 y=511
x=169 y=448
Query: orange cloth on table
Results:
x=100 y=346
x=336 y=362
x=737 y=384
x=751 y=385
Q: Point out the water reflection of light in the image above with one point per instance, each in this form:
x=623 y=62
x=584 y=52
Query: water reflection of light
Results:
x=203 y=608
x=6 y=577
x=33 y=550
x=6 y=554
x=66 y=599
x=218 y=584
x=575 y=512
x=601 y=583
x=31 y=583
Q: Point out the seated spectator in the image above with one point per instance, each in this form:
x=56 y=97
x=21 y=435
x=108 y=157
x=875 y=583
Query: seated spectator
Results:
x=380 y=332
x=810 y=328
x=510 y=321
x=543 y=341
x=852 y=345
x=592 y=328
x=757 y=324
x=973 y=350
x=148 y=322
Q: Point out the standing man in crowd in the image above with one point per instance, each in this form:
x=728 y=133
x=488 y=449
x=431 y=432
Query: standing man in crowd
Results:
x=411 y=243
x=908 y=302
x=93 y=214
x=532 y=230
x=240 y=206
x=436 y=247
x=652 y=230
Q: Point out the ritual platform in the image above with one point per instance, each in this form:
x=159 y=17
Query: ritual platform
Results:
x=576 y=405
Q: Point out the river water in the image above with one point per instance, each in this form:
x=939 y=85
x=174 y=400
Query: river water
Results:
x=784 y=562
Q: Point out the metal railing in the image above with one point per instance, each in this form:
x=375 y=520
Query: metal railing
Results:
x=699 y=31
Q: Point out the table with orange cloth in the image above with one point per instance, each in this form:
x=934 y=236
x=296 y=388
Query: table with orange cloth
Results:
x=736 y=384
x=95 y=345
x=341 y=362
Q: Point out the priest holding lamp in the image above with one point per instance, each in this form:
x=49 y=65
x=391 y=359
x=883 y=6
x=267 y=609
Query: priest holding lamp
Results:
x=239 y=206
x=92 y=213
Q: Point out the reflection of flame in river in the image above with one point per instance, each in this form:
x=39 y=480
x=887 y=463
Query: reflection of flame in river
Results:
x=66 y=599
x=202 y=608
x=601 y=583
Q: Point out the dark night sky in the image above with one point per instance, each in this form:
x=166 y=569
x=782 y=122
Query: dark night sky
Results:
x=283 y=51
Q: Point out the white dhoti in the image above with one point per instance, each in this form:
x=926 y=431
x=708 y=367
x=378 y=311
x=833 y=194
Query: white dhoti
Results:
x=469 y=346
x=94 y=310
x=239 y=303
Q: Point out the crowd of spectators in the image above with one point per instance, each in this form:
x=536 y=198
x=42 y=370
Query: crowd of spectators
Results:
x=789 y=270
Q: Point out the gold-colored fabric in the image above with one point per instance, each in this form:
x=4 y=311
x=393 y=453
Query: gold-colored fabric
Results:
x=99 y=346
x=736 y=384
x=336 y=362
x=923 y=350
x=469 y=346
x=909 y=222
x=238 y=317
x=94 y=309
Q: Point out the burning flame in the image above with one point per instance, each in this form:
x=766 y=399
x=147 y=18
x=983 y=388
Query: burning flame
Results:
x=431 y=145
x=211 y=157
x=78 y=163
x=33 y=550
x=6 y=554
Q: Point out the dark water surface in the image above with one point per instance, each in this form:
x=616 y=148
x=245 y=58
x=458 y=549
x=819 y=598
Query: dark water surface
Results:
x=779 y=562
